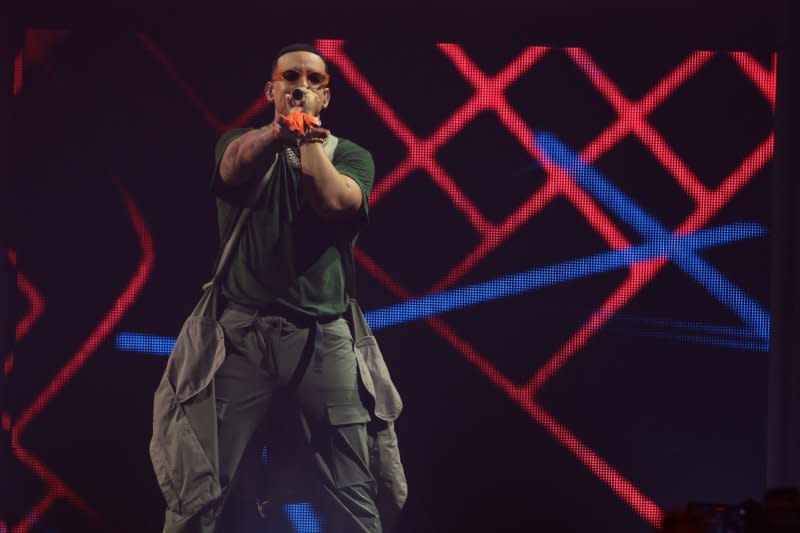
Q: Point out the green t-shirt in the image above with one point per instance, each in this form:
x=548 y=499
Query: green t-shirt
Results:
x=286 y=254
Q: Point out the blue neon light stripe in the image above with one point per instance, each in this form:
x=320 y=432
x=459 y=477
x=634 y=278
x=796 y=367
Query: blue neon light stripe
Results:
x=754 y=344
x=537 y=278
x=303 y=517
x=700 y=327
x=509 y=285
x=660 y=243
x=141 y=342
x=615 y=200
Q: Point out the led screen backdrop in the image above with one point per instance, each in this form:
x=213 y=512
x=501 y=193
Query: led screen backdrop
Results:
x=566 y=267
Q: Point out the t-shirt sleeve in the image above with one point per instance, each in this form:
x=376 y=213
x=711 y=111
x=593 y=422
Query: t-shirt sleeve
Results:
x=355 y=162
x=227 y=192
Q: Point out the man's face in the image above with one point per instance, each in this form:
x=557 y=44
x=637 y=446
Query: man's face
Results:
x=293 y=70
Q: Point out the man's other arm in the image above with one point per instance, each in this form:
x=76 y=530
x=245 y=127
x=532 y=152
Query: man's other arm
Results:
x=332 y=195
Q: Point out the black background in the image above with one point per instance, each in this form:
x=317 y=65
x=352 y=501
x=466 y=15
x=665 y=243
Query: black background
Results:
x=681 y=421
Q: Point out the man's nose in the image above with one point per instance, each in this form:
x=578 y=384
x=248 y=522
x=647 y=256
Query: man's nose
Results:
x=303 y=80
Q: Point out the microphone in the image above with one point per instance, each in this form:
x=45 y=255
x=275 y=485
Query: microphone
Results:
x=298 y=94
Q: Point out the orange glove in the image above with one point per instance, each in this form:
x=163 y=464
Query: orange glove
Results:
x=315 y=135
x=294 y=127
x=300 y=122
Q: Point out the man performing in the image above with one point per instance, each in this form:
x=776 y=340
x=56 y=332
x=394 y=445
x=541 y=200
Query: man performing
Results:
x=284 y=292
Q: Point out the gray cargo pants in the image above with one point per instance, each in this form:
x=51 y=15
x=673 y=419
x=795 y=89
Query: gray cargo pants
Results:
x=262 y=353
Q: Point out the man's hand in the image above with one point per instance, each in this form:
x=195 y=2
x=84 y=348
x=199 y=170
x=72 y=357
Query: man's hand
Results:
x=310 y=103
x=294 y=126
x=299 y=127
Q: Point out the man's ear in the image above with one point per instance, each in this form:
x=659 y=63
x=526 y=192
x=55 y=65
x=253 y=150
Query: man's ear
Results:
x=268 y=92
x=326 y=97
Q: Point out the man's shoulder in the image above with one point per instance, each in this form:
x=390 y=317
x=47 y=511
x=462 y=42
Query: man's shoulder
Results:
x=233 y=133
x=226 y=138
x=346 y=146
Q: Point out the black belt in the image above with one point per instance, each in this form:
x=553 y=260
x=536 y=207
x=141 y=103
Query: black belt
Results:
x=291 y=315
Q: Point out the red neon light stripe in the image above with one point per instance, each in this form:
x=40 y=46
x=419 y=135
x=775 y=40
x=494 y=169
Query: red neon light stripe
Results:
x=333 y=50
x=211 y=118
x=640 y=275
x=57 y=488
x=730 y=186
x=36 y=303
x=450 y=336
x=460 y=201
x=632 y=117
x=761 y=77
x=109 y=322
x=36 y=306
x=420 y=153
x=492 y=239
x=33 y=515
x=8 y=364
x=621 y=486
x=586 y=206
x=18 y=68
x=493 y=98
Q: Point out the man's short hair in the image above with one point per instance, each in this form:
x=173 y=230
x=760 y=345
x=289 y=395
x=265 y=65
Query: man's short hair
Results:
x=296 y=47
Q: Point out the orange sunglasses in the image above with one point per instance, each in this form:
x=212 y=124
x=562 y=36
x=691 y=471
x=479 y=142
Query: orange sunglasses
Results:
x=318 y=80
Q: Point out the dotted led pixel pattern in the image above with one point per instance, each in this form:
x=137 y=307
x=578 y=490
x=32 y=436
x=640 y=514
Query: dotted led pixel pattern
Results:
x=568 y=173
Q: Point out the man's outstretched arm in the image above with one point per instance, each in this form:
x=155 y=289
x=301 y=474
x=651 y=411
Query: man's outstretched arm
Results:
x=247 y=155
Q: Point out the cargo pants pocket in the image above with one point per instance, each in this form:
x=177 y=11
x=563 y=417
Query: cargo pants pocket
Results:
x=349 y=450
x=184 y=472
